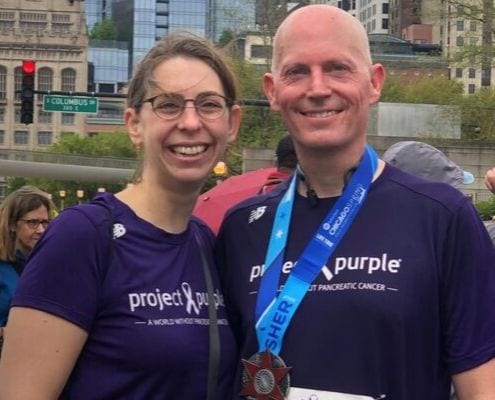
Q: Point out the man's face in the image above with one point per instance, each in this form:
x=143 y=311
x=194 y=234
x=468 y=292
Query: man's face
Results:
x=323 y=83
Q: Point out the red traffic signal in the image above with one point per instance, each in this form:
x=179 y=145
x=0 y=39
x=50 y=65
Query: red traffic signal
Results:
x=27 y=91
x=28 y=67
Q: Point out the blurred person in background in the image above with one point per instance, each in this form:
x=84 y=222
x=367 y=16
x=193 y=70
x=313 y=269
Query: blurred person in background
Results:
x=24 y=216
x=490 y=180
x=286 y=162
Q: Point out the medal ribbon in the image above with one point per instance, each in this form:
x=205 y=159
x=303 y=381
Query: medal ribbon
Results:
x=274 y=313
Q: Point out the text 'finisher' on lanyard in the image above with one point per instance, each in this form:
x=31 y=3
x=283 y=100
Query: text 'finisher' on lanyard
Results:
x=274 y=313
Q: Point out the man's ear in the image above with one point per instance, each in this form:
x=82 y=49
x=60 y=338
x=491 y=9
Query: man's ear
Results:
x=133 y=124
x=377 y=81
x=235 y=123
x=269 y=88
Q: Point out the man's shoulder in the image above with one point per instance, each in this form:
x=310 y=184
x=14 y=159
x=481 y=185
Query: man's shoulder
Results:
x=416 y=189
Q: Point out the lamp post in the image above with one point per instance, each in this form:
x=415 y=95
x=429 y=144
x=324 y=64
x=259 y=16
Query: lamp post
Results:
x=62 y=194
x=220 y=170
x=79 y=195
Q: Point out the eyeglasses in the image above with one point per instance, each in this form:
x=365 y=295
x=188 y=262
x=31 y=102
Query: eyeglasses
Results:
x=34 y=223
x=209 y=106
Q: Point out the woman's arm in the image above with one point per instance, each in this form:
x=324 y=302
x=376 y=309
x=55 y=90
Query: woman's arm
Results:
x=38 y=355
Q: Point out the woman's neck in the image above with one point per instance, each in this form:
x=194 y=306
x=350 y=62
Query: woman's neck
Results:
x=164 y=208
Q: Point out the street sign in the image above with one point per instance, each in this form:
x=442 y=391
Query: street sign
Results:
x=70 y=104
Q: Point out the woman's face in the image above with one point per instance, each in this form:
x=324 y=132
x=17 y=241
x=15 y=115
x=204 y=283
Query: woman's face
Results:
x=29 y=228
x=181 y=150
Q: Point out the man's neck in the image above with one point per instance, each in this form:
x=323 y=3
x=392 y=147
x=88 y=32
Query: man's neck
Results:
x=327 y=175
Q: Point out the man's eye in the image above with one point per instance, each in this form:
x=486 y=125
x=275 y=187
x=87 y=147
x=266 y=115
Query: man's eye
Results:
x=295 y=71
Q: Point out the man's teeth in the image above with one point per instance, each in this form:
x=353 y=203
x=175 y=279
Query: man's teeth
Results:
x=189 y=150
x=320 y=114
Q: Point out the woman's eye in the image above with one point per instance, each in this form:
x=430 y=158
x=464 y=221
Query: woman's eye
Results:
x=170 y=106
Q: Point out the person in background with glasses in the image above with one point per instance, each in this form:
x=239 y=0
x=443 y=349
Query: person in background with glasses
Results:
x=24 y=216
x=113 y=303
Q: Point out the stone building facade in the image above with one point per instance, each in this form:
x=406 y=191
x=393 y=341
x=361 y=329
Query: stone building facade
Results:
x=52 y=33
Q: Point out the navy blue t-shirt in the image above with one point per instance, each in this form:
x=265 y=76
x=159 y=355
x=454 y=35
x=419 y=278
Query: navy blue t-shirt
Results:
x=146 y=313
x=405 y=301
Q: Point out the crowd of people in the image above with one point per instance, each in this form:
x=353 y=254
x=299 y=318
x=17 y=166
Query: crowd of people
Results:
x=352 y=277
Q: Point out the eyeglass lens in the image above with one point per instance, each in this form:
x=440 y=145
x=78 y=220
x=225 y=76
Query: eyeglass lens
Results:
x=172 y=105
x=34 y=223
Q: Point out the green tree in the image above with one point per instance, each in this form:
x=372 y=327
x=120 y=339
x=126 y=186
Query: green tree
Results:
x=434 y=90
x=478 y=115
x=226 y=37
x=260 y=127
x=104 y=30
x=109 y=144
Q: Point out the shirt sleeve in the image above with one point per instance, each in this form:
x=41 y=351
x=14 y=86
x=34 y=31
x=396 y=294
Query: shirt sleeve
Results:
x=468 y=292
x=64 y=272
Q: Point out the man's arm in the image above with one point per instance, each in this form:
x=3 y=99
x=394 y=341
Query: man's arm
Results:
x=477 y=383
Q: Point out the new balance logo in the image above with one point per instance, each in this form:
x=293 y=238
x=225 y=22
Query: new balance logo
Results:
x=118 y=230
x=257 y=214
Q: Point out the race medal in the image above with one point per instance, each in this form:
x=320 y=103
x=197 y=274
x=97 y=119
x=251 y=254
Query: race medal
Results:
x=265 y=377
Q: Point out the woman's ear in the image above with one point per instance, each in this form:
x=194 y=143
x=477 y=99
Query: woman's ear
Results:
x=133 y=124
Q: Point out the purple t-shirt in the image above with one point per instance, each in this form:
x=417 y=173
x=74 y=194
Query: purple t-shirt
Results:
x=405 y=301
x=146 y=313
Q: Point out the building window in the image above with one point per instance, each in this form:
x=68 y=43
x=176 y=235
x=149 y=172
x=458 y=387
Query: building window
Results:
x=21 y=137
x=471 y=88
x=68 y=118
x=68 y=80
x=472 y=26
x=458 y=72
x=106 y=88
x=260 y=51
x=17 y=82
x=472 y=73
x=459 y=41
x=44 y=117
x=385 y=8
x=3 y=82
x=2 y=136
x=460 y=25
x=17 y=115
x=385 y=23
x=2 y=114
x=44 y=138
x=45 y=80
x=61 y=18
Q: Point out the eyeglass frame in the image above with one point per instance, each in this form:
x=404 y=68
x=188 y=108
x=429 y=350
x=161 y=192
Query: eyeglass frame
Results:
x=34 y=223
x=228 y=104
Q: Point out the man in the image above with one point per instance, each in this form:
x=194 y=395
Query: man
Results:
x=286 y=161
x=365 y=281
x=426 y=161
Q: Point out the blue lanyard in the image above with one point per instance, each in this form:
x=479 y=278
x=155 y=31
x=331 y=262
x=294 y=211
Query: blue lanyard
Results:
x=274 y=313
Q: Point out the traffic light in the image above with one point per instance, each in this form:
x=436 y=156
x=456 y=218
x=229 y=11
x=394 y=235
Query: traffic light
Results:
x=27 y=91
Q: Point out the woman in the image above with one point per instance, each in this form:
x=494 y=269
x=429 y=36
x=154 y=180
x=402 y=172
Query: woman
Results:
x=128 y=318
x=24 y=216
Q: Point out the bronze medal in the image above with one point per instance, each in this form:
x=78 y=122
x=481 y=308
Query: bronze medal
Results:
x=265 y=377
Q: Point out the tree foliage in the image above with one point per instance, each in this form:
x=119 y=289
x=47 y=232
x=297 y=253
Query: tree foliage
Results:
x=260 y=126
x=110 y=144
x=426 y=90
x=104 y=30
